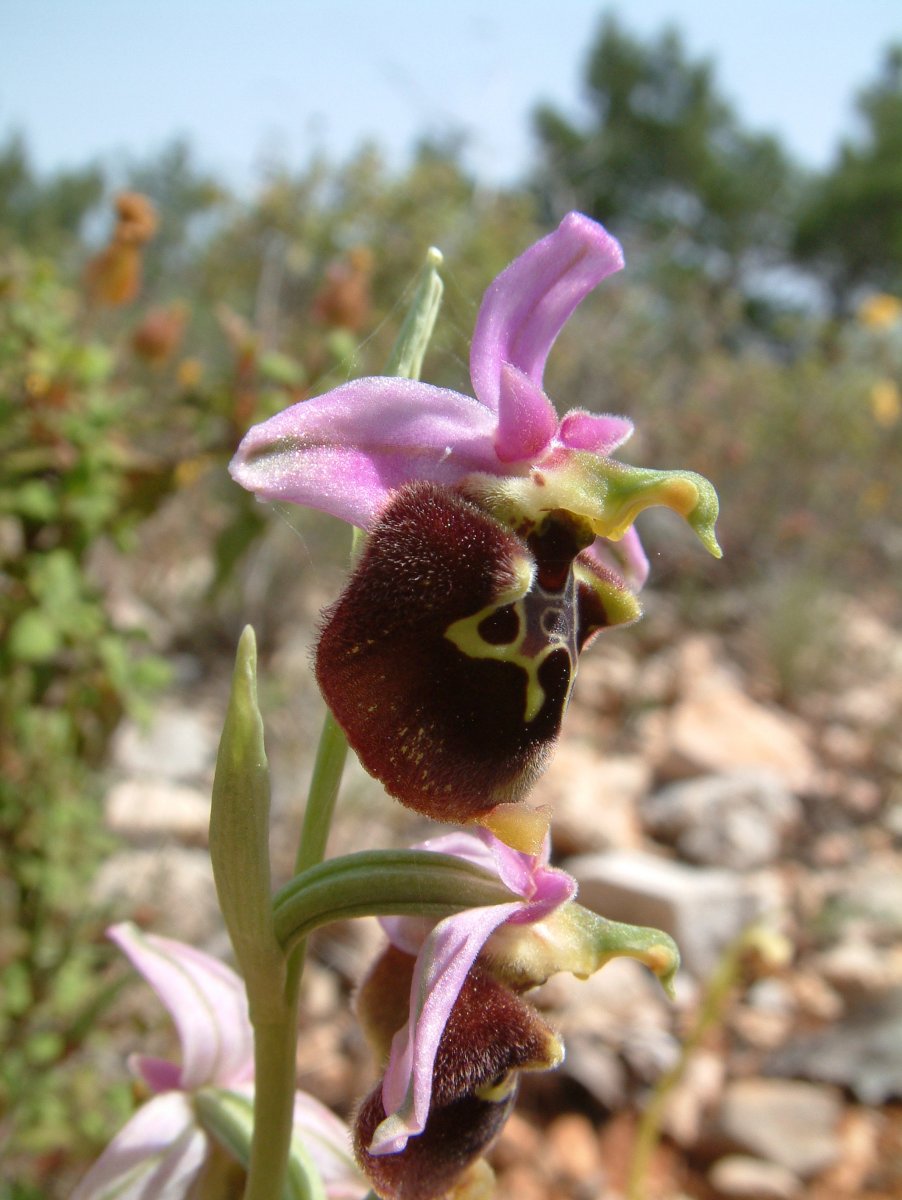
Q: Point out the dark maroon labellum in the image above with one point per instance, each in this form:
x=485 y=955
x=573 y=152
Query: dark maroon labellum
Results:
x=449 y=657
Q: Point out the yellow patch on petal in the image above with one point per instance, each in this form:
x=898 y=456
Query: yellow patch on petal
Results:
x=519 y=826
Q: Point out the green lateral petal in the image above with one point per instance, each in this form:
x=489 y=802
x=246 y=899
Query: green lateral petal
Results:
x=382 y=883
x=608 y=494
x=577 y=940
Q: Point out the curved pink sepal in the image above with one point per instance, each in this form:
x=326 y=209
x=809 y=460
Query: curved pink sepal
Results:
x=442 y=965
x=205 y=999
x=527 y=305
x=345 y=452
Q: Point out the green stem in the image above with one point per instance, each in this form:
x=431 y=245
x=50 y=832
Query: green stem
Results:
x=275 y=1045
x=275 y=1070
x=716 y=994
x=327 y=771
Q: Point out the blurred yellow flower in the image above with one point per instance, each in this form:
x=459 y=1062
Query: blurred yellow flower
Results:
x=886 y=402
x=189 y=470
x=189 y=373
x=880 y=311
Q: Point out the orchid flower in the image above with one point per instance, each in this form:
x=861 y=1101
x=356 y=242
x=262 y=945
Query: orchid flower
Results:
x=455 y=1050
x=501 y=542
x=162 y=1152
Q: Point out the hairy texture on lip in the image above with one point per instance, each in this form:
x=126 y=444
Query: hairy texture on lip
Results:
x=449 y=658
x=442 y=727
x=491 y=1032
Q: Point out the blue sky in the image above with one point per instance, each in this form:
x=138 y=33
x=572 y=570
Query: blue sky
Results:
x=252 y=80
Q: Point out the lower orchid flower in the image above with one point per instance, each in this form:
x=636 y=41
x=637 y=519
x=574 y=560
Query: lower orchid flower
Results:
x=172 y=1148
x=457 y=1038
x=501 y=541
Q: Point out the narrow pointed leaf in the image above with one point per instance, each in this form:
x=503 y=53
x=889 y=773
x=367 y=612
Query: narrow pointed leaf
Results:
x=382 y=882
x=406 y=358
x=239 y=835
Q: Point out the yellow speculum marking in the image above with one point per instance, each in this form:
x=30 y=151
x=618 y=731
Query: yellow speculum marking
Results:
x=465 y=635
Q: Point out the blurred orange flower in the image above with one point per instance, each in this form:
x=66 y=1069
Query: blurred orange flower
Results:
x=160 y=333
x=343 y=301
x=113 y=276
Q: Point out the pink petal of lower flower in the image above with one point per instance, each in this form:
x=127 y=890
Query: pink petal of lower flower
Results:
x=328 y=1141
x=346 y=451
x=409 y=933
x=156 y=1156
x=527 y=305
x=159 y=1074
x=205 y=999
x=526 y=417
x=441 y=969
x=598 y=432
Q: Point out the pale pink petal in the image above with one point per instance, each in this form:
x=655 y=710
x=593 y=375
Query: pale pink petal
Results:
x=526 y=418
x=516 y=869
x=346 y=451
x=206 y=1001
x=626 y=558
x=328 y=1142
x=440 y=971
x=598 y=432
x=542 y=888
x=156 y=1156
x=159 y=1074
x=409 y=933
x=527 y=305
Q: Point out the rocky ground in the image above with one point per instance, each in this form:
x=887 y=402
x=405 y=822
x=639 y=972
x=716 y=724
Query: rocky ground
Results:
x=689 y=793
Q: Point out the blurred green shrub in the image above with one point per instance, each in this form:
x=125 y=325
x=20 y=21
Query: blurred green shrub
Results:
x=67 y=673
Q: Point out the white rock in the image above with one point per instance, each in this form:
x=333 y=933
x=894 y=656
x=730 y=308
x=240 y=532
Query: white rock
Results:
x=594 y=799
x=745 y=1178
x=171 y=889
x=786 y=1122
x=737 y=819
x=179 y=743
x=696 y=1093
x=141 y=810
x=715 y=727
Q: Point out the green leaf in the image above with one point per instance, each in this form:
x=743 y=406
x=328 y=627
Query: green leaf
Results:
x=406 y=359
x=239 y=837
x=382 y=883
x=37 y=500
x=281 y=369
x=34 y=638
